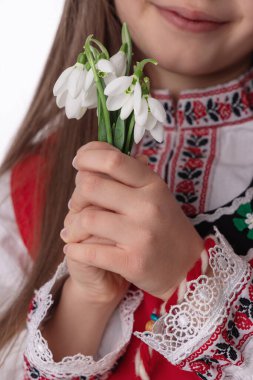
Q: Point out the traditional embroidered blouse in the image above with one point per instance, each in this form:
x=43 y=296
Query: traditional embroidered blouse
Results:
x=205 y=329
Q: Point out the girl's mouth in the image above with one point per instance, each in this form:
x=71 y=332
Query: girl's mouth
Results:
x=191 y=21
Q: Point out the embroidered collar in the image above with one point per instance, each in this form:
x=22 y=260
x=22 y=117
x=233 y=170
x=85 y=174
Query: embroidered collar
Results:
x=220 y=105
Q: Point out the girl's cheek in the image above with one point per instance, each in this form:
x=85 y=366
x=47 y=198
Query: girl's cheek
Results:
x=130 y=10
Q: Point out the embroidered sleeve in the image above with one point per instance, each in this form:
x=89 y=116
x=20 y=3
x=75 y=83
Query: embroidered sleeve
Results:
x=39 y=363
x=210 y=331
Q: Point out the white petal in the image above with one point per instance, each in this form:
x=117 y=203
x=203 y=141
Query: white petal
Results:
x=118 y=85
x=61 y=99
x=73 y=106
x=113 y=103
x=62 y=80
x=151 y=122
x=127 y=108
x=138 y=133
x=89 y=99
x=118 y=61
x=158 y=132
x=109 y=78
x=89 y=80
x=76 y=82
x=105 y=66
x=142 y=116
x=157 y=109
x=82 y=112
x=137 y=98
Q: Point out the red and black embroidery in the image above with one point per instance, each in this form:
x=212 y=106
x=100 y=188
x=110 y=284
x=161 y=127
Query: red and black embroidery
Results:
x=190 y=168
x=203 y=367
x=218 y=106
x=210 y=110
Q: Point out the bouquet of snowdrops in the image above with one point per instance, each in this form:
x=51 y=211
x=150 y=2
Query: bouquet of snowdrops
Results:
x=125 y=108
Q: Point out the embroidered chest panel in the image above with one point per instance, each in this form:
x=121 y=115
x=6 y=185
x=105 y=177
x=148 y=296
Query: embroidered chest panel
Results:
x=186 y=157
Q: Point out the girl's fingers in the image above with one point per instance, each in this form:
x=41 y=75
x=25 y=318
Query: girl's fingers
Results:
x=123 y=168
x=99 y=223
x=97 y=145
x=105 y=257
x=103 y=192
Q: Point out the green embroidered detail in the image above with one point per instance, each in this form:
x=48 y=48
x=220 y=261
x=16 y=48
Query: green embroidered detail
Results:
x=239 y=224
x=247 y=221
x=243 y=210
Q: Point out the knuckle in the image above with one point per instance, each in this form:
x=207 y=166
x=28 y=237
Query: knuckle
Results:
x=75 y=205
x=78 y=178
x=88 y=217
x=114 y=159
x=90 y=253
x=89 y=182
x=69 y=219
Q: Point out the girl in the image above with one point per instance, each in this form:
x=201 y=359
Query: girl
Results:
x=157 y=276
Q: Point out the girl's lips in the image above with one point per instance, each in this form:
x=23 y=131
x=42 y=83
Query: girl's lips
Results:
x=191 y=21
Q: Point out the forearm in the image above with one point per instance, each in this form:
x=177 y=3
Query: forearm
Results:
x=77 y=324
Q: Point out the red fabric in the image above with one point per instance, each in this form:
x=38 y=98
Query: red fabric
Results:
x=23 y=186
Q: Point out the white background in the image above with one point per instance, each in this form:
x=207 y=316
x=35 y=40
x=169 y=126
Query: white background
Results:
x=27 y=28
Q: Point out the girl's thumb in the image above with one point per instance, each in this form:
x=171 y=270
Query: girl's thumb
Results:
x=142 y=158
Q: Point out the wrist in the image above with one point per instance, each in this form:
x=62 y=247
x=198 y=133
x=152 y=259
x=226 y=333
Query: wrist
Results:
x=102 y=301
x=193 y=254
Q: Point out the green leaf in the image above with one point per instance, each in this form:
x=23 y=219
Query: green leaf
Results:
x=126 y=39
x=250 y=234
x=243 y=210
x=119 y=134
x=239 y=224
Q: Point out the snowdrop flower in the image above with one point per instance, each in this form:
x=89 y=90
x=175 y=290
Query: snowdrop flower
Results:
x=125 y=93
x=114 y=67
x=154 y=122
x=76 y=91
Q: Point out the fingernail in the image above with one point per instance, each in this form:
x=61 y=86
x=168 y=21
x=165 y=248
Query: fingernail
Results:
x=69 y=204
x=65 y=248
x=64 y=233
x=74 y=162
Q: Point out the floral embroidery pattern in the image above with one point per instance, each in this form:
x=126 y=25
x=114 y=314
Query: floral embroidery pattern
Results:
x=246 y=222
x=226 y=348
x=191 y=167
x=215 y=109
x=150 y=149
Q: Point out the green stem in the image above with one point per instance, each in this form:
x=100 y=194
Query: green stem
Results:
x=102 y=48
x=100 y=91
x=128 y=148
x=138 y=70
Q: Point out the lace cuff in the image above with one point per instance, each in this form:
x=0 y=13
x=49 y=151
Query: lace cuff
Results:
x=208 y=329
x=38 y=357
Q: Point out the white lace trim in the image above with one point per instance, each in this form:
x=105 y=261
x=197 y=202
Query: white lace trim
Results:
x=206 y=301
x=224 y=210
x=39 y=354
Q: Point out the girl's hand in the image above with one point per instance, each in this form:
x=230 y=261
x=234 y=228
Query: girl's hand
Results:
x=155 y=244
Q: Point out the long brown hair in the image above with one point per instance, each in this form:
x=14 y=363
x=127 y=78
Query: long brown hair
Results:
x=79 y=19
